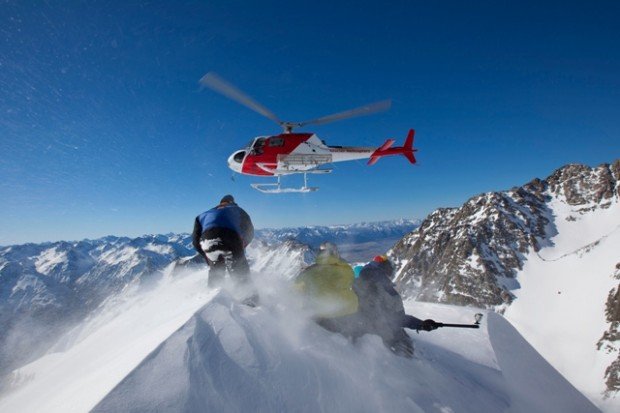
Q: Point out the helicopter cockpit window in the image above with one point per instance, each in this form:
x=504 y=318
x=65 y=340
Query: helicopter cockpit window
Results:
x=257 y=148
x=238 y=157
x=276 y=141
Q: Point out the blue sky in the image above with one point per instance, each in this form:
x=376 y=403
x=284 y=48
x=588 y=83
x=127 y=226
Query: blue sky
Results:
x=104 y=128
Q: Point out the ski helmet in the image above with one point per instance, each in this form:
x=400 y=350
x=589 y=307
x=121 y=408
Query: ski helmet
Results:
x=328 y=248
x=227 y=199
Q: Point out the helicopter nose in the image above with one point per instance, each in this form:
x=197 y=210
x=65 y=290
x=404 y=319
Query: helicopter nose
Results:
x=235 y=161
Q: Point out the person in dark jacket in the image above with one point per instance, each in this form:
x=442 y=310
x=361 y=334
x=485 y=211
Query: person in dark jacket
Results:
x=220 y=236
x=381 y=309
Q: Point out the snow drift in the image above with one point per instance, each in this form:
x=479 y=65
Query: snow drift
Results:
x=229 y=357
x=181 y=347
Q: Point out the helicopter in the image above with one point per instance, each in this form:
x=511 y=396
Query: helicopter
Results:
x=299 y=153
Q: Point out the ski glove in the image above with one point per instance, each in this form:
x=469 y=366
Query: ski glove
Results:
x=429 y=325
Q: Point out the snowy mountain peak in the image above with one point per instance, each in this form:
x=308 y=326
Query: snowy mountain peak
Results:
x=471 y=254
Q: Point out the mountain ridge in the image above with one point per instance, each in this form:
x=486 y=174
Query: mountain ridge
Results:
x=455 y=251
x=44 y=287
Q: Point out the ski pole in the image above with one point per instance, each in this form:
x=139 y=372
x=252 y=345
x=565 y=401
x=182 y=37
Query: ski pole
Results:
x=478 y=318
x=458 y=325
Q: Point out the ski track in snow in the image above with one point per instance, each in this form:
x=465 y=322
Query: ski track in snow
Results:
x=582 y=249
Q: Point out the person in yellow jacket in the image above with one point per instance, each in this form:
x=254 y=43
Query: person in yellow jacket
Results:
x=327 y=288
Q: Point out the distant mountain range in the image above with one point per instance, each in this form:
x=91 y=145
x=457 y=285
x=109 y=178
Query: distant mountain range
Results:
x=44 y=286
x=356 y=242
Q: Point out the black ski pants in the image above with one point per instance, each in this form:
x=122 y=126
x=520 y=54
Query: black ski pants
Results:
x=224 y=251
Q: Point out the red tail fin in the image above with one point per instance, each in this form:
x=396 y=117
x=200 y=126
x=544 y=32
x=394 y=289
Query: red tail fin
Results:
x=408 y=147
x=386 y=149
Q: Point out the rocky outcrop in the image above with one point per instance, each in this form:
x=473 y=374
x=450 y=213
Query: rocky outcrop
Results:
x=589 y=188
x=470 y=255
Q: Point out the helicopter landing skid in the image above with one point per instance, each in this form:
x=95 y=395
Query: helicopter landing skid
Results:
x=276 y=188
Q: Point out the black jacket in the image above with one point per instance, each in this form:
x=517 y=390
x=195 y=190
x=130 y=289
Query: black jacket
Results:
x=380 y=305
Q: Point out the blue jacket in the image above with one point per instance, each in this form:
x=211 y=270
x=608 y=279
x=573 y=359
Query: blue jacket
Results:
x=229 y=216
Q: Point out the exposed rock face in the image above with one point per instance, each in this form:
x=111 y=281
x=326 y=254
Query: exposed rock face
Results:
x=470 y=255
x=610 y=342
x=587 y=187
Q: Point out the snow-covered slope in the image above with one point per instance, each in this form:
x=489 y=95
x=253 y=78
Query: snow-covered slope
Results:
x=547 y=254
x=229 y=357
x=560 y=307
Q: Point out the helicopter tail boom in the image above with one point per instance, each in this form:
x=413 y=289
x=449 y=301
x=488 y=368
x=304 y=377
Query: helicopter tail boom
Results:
x=386 y=150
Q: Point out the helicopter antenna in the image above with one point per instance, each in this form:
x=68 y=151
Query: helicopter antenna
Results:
x=216 y=83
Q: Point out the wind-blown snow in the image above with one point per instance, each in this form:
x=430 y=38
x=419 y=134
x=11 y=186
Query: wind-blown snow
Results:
x=159 y=249
x=181 y=347
x=106 y=348
x=232 y=358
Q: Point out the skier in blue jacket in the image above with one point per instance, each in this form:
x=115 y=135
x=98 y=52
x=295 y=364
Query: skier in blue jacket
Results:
x=220 y=236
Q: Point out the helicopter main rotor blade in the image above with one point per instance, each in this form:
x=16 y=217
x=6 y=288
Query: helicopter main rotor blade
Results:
x=216 y=83
x=361 y=111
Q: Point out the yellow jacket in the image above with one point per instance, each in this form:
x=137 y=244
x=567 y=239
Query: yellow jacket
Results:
x=328 y=287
